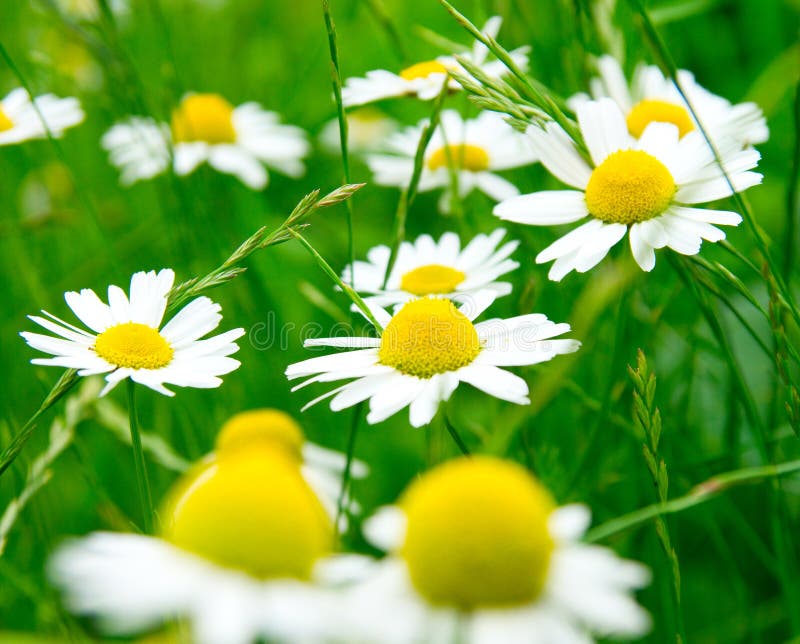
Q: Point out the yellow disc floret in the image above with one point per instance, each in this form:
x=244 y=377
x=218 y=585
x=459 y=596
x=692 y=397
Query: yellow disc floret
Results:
x=250 y=510
x=628 y=187
x=203 y=117
x=5 y=122
x=654 y=111
x=423 y=70
x=133 y=345
x=261 y=427
x=463 y=156
x=476 y=534
x=428 y=336
x=431 y=279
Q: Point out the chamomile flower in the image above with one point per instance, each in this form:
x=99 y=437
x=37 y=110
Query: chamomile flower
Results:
x=425 y=350
x=321 y=468
x=480 y=554
x=367 y=131
x=427 y=267
x=424 y=80
x=644 y=187
x=205 y=128
x=243 y=548
x=653 y=98
x=469 y=152
x=127 y=340
x=21 y=117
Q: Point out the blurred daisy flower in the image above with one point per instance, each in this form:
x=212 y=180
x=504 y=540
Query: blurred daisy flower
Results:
x=424 y=80
x=653 y=98
x=464 y=152
x=427 y=267
x=425 y=350
x=128 y=341
x=321 y=468
x=21 y=118
x=89 y=10
x=644 y=187
x=367 y=131
x=480 y=554
x=205 y=128
x=244 y=554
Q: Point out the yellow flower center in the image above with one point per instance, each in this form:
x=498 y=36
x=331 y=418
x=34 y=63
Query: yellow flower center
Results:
x=428 y=336
x=261 y=427
x=203 y=117
x=423 y=70
x=653 y=111
x=431 y=279
x=464 y=156
x=250 y=510
x=477 y=534
x=133 y=345
x=628 y=187
x=5 y=122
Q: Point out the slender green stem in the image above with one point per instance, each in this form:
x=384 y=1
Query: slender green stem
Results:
x=355 y=297
x=348 y=465
x=142 y=480
x=790 y=236
x=698 y=495
x=336 y=81
x=455 y=435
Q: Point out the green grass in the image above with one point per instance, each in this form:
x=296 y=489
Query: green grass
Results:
x=720 y=398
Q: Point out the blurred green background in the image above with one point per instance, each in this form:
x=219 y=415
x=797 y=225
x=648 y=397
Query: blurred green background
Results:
x=578 y=435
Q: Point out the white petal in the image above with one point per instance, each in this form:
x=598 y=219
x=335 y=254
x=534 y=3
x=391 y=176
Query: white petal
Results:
x=544 y=208
x=603 y=128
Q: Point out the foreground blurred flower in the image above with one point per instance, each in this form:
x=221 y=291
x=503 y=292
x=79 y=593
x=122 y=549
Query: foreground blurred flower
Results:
x=367 y=131
x=479 y=553
x=245 y=548
x=90 y=9
x=424 y=80
x=206 y=128
x=21 y=118
x=652 y=98
x=322 y=468
x=426 y=267
x=128 y=341
x=425 y=350
x=464 y=152
x=642 y=186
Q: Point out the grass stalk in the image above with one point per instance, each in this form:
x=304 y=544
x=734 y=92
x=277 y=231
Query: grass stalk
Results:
x=142 y=480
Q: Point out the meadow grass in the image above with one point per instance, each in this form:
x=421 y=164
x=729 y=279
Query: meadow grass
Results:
x=677 y=422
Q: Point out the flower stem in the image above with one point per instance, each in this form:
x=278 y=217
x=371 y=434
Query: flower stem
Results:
x=138 y=457
x=348 y=467
x=455 y=435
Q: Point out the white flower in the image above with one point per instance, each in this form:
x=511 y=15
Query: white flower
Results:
x=643 y=186
x=367 y=131
x=322 y=468
x=206 y=128
x=90 y=9
x=468 y=152
x=426 y=348
x=245 y=555
x=21 y=118
x=651 y=97
x=479 y=554
x=424 y=80
x=127 y=340
x=427 y=267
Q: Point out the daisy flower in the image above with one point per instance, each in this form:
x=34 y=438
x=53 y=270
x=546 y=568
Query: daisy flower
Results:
x=424 y=80
x=21 y=118
x=651 y=97
x=427 y=267
x=480 y=554
x=127 y=340
x=205 y=128
x=367 y=131
x=425 y=349
x=244 y=554
x=321 y=468
x=646 y=187
x=472 y=150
